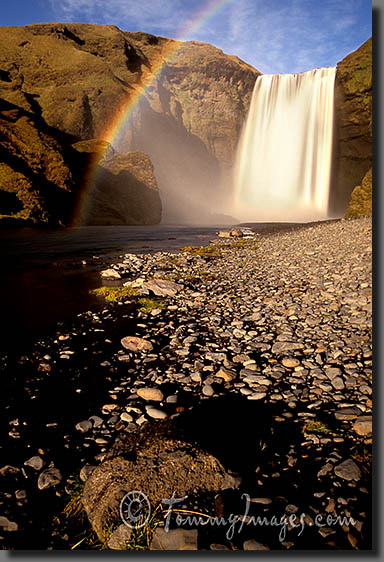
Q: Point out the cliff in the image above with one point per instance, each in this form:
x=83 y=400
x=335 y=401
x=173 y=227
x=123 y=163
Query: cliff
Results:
x=78 y=77
x=360 y=204
x=353 y=119
x=36 y=182
x=125 y=189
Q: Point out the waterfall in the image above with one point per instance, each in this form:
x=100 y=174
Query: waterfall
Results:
x=283 y=165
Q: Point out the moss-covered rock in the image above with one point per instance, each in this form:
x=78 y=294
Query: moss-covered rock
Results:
x=360 y=204
x=36 y=183
x=353 y=102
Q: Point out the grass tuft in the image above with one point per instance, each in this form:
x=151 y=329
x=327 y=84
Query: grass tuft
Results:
x=115 y=294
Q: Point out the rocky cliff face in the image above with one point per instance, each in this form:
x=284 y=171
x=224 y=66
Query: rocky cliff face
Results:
x=36 y=182
x=78 y=77
x=125 y=190
x=360 y=204
x=353 y=102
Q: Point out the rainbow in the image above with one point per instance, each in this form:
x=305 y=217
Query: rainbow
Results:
x=116 y=126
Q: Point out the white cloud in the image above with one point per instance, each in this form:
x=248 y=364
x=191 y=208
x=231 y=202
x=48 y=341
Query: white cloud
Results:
x=272 y=35
x=128 y=15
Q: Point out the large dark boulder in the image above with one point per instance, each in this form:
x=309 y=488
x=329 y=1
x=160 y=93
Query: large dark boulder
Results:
x=158 y=462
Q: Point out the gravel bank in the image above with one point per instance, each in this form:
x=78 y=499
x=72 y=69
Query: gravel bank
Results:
x=271 y=333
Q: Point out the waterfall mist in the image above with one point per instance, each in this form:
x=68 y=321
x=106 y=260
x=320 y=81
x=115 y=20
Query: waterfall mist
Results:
x=283 y=166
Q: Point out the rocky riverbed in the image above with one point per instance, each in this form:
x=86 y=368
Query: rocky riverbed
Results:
x=264 y=341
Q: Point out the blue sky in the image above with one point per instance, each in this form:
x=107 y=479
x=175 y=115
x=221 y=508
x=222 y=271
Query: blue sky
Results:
x=274 y=36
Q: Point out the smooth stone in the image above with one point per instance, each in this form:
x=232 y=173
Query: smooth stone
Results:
x=284 y=346
x=172 y=399
x=348 y=470
x=35 y=462
x=96 y=420
x=226 y=374
x=216 y=546
x=263 y=501
x=135 y=344
x=290 y=362
x=162 y=287
x=120 y=537
x=8 y=525
x=153 y=394
x=126 y=417
x=174 y=539
x=338 y=383
x=155 y=413
x=49 y=477
x=110 y=274
x=20 y=494
x=332 y=372
x=346 y=414
x=257 y=396
x=251 y=544
x=195 y=377
x=84 y=426
x=363 y=425
x=207 y=390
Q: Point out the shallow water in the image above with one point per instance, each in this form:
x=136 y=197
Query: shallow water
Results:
x=44 y=279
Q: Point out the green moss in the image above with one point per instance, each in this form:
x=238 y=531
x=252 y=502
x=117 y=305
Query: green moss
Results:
x=147 y=305
x=360 y=204
x=316 y=427
x=206 y=252
x=115 y=294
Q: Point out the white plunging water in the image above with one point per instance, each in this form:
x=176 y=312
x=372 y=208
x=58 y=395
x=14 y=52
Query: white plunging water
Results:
x=284 y=158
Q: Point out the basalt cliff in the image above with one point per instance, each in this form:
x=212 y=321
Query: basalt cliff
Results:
x=172 y=111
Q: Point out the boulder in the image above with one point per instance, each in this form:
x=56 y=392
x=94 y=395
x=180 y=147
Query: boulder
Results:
x=162 y=287
x=156 y=461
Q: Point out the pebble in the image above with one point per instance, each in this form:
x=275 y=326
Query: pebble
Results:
x=84 y=426
x=8 y=525
x=348 y=470
x=363 y=425
x=226 y=374
x=155 y=413
x=150 y=394
x=290 y=362
x=35 y=462
x=49 y=477
x=207 y=390
x=134 y=344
